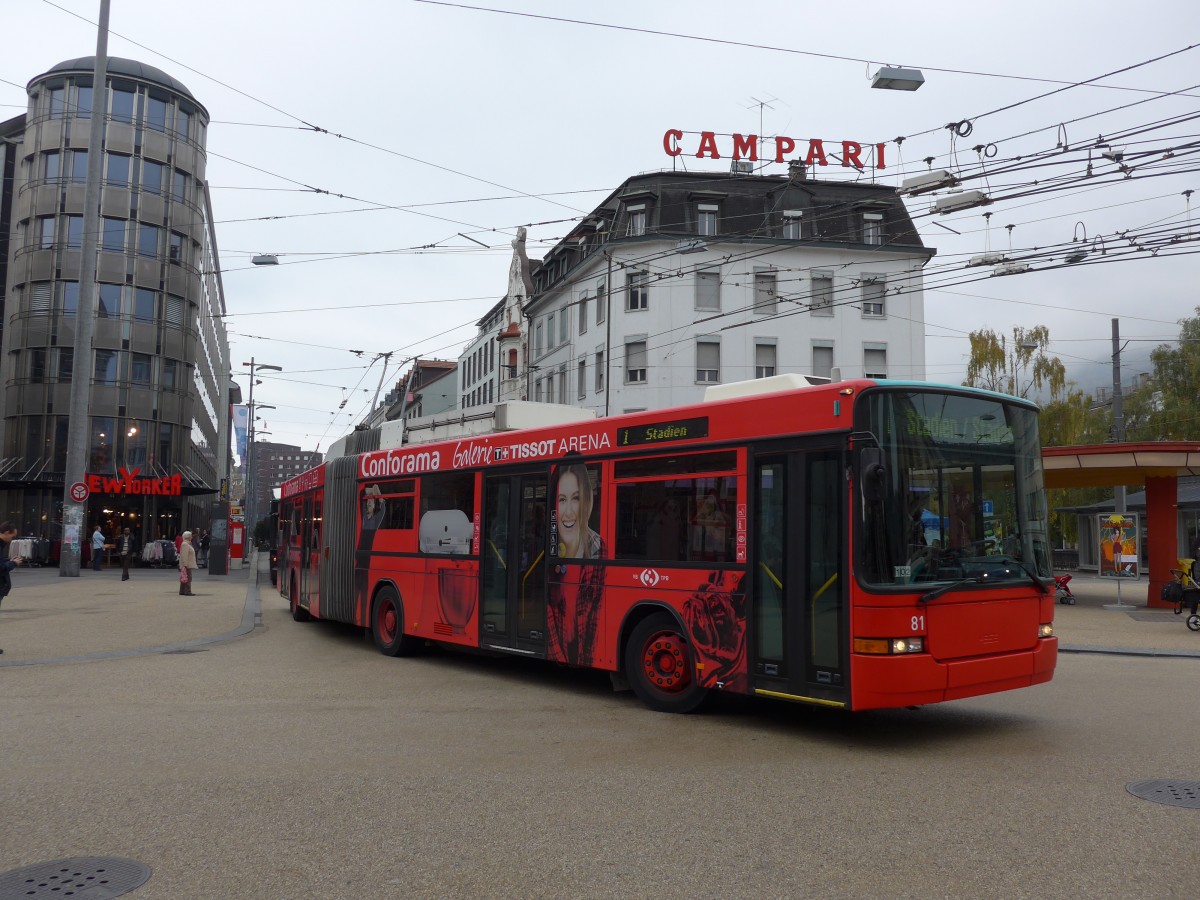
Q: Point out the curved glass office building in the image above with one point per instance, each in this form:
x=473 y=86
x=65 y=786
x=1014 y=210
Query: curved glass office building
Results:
x=158 y=421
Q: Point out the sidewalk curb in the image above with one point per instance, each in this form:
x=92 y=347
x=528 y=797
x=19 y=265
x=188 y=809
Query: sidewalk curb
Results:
x=1125 y=651
x=251 y=619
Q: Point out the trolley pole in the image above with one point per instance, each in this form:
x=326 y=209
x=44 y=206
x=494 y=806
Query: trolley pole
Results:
x=79 y=431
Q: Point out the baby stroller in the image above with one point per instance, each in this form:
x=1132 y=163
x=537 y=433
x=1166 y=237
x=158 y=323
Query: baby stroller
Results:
x=1184 y=591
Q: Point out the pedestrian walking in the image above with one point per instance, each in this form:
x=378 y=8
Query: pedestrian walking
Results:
x=205 y=538
x=8 y=531
x=125 y=547
x=97 y=548
x=187 y=564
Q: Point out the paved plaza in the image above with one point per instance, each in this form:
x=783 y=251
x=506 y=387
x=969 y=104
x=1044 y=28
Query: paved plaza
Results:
x=238 y=754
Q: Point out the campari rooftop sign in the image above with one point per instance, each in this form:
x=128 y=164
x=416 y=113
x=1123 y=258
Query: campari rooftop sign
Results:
x=776 y=148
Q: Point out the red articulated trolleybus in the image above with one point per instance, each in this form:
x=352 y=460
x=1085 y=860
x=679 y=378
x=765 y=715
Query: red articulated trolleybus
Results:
x=859 y=544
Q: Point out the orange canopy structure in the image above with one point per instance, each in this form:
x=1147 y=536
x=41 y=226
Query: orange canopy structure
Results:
x=1156 y=465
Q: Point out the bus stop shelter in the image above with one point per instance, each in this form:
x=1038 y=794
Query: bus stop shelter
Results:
x=1154 y=465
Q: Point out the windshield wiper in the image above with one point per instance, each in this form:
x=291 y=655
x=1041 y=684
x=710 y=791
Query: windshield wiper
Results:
x=983 y=578
x=1042 y=586
x=938 y=591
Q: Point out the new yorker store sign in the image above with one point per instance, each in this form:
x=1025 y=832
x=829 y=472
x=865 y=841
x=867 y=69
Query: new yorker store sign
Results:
x=131 y=482
x=780 y=148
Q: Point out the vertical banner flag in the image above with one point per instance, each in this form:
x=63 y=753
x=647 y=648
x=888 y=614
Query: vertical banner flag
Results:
x=241 y=420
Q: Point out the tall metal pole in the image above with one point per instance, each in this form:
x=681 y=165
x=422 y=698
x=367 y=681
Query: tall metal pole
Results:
x=1118 y=409
x=79 y=430
x=250 y=509
x=247 y=509
x=608 y=292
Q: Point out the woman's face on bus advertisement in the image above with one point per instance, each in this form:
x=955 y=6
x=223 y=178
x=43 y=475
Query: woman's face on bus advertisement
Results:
x=571 y=513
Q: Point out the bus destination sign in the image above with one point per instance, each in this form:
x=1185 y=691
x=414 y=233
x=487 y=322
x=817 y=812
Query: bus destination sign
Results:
x=659 y=432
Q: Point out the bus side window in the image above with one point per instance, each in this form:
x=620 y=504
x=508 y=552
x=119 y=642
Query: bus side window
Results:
x=447 y=508
x=399 y=515
x=677 y=508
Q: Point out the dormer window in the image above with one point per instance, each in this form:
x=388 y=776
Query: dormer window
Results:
x=706 y=219
x=791 y=224
x=872 y=228
x=637 y=220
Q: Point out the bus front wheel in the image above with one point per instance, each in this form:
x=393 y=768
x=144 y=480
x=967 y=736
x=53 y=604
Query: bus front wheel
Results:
x=387 y=625
x=661 y=667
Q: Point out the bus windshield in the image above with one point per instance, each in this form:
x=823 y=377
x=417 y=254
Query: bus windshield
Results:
x=960 y=492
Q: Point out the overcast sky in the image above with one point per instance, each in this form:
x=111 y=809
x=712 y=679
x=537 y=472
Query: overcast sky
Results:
x=474 y=122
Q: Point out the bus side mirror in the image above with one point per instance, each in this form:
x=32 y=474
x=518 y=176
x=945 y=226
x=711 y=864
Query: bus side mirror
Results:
x=874 y=474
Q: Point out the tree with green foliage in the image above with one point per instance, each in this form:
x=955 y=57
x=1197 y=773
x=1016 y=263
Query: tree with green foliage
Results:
x=1068 y=421
x=1175 y=415
x=1018 y=368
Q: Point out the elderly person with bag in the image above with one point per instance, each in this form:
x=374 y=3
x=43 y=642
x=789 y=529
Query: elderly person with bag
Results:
x=187 y=564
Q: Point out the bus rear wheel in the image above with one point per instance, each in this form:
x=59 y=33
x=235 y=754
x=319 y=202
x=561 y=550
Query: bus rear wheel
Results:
x=661 y=667
x=387 y=625
x=299 y=613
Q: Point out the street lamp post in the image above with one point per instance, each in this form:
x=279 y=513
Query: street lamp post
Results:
x=255 y=366
x=79 y=430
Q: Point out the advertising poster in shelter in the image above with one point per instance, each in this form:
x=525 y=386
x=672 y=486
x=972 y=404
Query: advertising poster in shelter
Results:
x=1119 y=551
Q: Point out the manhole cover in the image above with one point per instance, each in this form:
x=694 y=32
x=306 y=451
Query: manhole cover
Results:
x=87 y=877
x=1172 y=793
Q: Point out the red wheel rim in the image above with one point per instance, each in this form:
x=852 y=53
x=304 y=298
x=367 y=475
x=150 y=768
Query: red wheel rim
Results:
x=387 y=621
x=664 y=662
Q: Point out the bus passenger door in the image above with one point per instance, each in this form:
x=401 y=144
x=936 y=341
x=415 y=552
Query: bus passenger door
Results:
x=514 y=565
x=799 y=619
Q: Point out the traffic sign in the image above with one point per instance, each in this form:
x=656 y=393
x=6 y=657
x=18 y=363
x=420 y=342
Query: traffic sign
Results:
x=79 y=492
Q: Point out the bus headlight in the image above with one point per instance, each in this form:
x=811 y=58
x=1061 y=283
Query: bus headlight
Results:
x=1045 y=631
x=889 y=646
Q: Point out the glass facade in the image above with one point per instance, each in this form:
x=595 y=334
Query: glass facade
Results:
x=160 y=349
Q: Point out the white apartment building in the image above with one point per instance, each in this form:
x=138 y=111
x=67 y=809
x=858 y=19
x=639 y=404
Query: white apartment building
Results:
x=678 y=281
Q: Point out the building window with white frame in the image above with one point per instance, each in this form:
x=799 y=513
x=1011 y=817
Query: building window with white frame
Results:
x=600 y=370
x=764 y=359
x=791 y=224
x=821 y=295
x=636 y=225
x=537 y=341
x=637 y=291
x=873 y=290
x=550 y=388
x=706 y=219
x=583 y=313
x=765 y=292
x=537 y=391
x=872 y=228
x=582 y=367
x=708 y=361
x=875 y=361
x=562 y=384
x=708 y=290
x=822 y=359
x=550 y=332
x=635 y=362
x=564 y=319
x=601 y=301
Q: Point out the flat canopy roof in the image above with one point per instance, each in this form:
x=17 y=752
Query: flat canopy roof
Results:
x=1099 y=465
